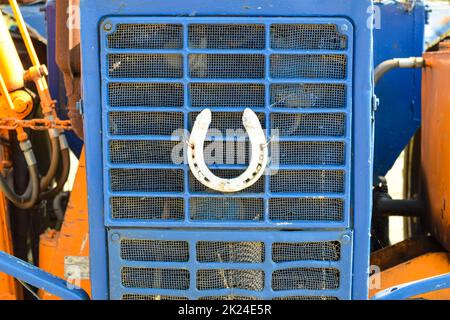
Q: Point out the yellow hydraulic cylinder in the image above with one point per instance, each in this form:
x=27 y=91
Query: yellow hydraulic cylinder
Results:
x=11 y=67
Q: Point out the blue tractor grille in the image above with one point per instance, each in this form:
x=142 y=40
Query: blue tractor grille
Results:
x=158 y=74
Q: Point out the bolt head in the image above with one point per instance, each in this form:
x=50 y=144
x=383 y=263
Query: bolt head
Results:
x=107 y=26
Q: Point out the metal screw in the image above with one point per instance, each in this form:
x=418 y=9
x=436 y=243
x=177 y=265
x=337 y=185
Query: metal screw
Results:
x=345 y=239
x=344 y=28
x=107 y=26
x=115 y=237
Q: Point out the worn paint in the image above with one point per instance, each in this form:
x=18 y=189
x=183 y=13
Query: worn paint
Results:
x=435 y=143
x=63 y=251
x=425 y=266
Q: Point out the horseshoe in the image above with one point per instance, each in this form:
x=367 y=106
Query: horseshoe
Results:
x=258 y=161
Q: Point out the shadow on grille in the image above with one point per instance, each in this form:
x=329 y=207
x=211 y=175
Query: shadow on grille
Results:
x=297 y=95
x=142 y=152
x=227 y=36
x=311 y=298
x=154 y=250
x=197 y=187
x=176 y=279
x=145 y=123
x=143 y=297
x=303 y=251
x=140 y=208
x=227 y=252
x=308 y=181
x=312 y=153
x=305 y=279
x=146 y=36
x=230 y=279
x=308 y=66
x=226 y=209
x=146 y=180
x=251 y=66
x=145 y=94
x=307 y=37
x=331 y=124
x=306 y=209
x=239 y=95
x=145 y=65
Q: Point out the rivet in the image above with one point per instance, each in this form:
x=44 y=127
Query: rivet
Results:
x=344 y=28
x=115 y=237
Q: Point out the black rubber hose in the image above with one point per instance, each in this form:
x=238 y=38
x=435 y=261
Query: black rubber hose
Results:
x=54 y=163
x=23 y=201
x=62 y=178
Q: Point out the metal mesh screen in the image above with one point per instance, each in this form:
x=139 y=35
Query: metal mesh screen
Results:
x=307 y=298
x=196 y=186
x=226 y=209
x=145 y=94
x=225 y=252
x=142 y=152
x=152 y=278
x=328 y=124
x=227 y=36
x=308 y=66
x=225 y=66
x=211 y=95
x=146 y=36
x=307 y=37
x=157 y=77
x=154 y=250
x=229 y=297
x=146 y=180
x=311 y=153
x=226 y=122
x=303 y=251
x=305 y=279
x=308 y=95
x=306 y=209
x=142 y=208
x=142 y=297
x=145 y=65
x=144 y=123
x=209 y=279
x=308 y=181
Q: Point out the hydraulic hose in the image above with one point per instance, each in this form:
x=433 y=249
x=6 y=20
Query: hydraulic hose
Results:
x=65 y=155
x=23 y=201
x=54 y=162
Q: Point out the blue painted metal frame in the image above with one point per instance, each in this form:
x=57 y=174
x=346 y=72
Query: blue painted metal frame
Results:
x=412 y=289
x=91 y=16
x=267 y=110
x=344 y=265
x=38 y=278
x=399 y=114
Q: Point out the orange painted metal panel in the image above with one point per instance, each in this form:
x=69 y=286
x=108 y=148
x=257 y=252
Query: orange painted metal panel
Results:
x=8 y=286
x=436 y=142
x=61 y=252
x=425 y=266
